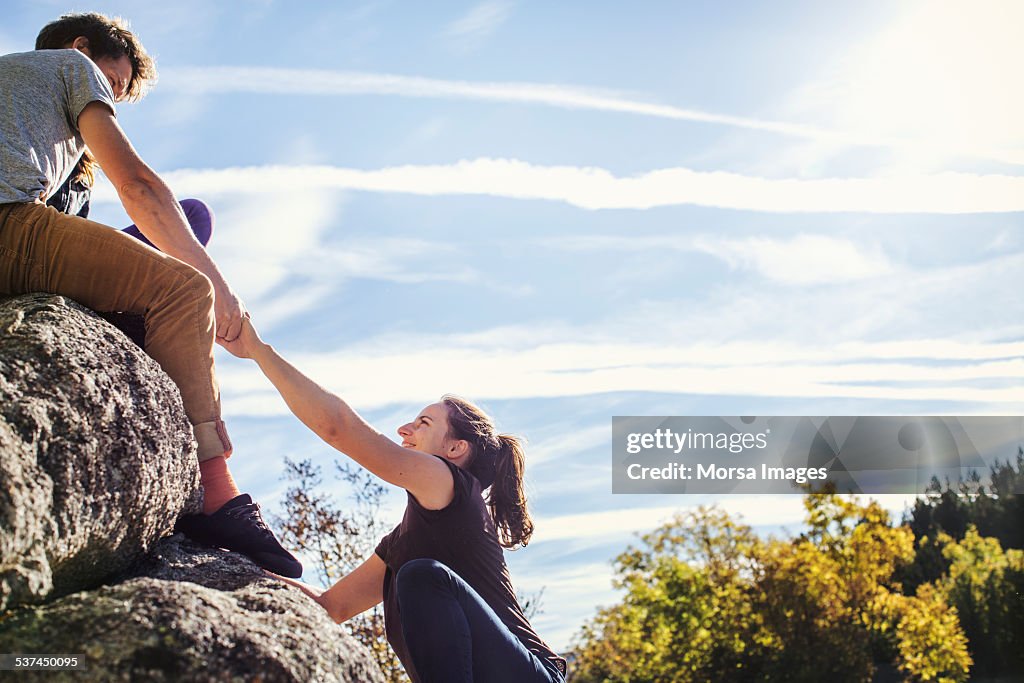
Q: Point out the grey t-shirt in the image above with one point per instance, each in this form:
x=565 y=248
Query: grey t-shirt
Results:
x=41 y=95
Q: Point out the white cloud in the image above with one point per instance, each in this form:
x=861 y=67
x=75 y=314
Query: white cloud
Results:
x=625 y=525
x=808 y=101
x=283 y=81
x=433 y=366
x=597 y=188
x=925 y=336
x=277 y=255
x=260 y=246
x=565 y=445
x=483 y=19
x=802 y=260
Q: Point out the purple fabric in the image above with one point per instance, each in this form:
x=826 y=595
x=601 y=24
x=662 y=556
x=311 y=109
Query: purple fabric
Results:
x=199 y=216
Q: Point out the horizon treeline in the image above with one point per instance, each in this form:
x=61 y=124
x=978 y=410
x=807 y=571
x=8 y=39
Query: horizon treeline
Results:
x=856 y=597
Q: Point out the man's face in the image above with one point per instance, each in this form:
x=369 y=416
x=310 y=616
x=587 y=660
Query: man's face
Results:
x=118 y=72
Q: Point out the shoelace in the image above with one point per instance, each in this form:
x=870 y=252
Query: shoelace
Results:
x=250 y=513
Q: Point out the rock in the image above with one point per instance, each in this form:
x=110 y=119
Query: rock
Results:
x=191 y=614
x=96 y=456
x=96 y=463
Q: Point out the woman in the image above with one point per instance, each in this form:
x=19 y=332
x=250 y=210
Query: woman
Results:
x=450 y=611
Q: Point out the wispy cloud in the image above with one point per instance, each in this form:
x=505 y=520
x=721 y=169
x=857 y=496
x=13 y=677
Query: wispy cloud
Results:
x=275 y=254
x=598 y=188
x=470 y=30
x=434 y=365
x=320 y=82
x=627 y=522
x=801 y=260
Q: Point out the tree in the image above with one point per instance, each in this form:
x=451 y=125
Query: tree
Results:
x=340 y=540
x=705 y=599
x=986 y=586
x=968 y=540
x=995 y=511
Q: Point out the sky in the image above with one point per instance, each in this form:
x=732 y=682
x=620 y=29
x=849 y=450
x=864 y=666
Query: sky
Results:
x=569 y=211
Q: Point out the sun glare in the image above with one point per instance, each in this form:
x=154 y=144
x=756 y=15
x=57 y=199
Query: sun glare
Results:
x=942 y=77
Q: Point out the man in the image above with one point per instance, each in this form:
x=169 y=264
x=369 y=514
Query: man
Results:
x=54 y=104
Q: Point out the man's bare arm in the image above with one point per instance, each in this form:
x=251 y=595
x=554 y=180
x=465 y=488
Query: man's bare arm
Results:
x=150 y=203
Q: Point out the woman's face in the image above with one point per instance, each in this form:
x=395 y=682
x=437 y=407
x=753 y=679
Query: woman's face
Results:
x=428 y=433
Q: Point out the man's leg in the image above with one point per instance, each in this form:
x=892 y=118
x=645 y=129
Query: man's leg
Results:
x=107 y=271
x=200 y=219
x=42 y=249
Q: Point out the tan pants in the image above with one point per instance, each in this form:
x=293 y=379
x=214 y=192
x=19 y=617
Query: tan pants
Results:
x=44 y=250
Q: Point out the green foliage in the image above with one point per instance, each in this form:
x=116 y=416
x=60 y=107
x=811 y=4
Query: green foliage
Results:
x=995 y=511
x=985 y=585
x=706 y=600
x=960 y=534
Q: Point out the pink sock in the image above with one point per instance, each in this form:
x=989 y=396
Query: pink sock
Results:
x=218 y=485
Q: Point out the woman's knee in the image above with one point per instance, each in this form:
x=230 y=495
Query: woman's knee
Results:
x=415 y=575
x=200 y=218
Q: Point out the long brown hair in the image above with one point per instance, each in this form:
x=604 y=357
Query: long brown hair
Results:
x=499 y=462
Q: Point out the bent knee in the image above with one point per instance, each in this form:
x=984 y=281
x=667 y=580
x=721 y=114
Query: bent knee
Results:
x=199 y=287
x=416 y=573
x=200 y=218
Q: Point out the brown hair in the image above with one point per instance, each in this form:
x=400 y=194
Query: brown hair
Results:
x=108 y=37
x=498 y=462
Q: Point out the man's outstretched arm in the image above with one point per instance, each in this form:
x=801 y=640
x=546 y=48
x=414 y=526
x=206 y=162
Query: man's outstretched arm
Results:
x=151 y=205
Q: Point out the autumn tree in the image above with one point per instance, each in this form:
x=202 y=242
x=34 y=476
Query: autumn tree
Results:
x=705 y=599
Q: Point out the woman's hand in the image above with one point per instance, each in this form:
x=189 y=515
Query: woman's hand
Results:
x=247 y=343
x=316 y=594
x=353 y=594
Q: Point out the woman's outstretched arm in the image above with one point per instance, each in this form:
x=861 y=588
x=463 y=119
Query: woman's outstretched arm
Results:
x=357 y=592
x=425 y=476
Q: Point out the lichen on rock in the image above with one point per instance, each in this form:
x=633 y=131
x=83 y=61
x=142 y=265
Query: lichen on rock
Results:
x=97 y=461
x=193 y=614
x=97 y=458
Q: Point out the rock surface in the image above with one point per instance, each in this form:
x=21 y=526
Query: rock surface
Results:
x=96 y=463
x=191 y=614
x=96 y=455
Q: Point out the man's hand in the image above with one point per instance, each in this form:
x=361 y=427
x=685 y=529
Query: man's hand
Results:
x=229 y=312
x=246 y=343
